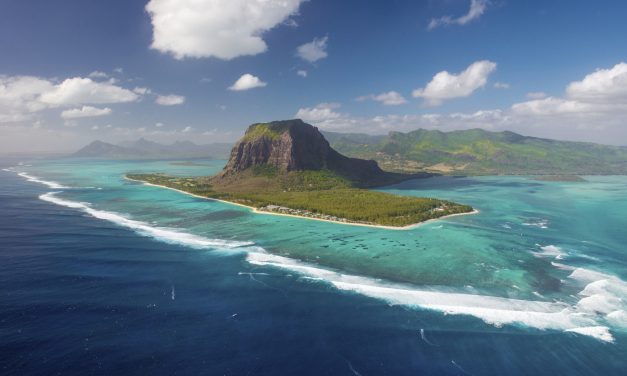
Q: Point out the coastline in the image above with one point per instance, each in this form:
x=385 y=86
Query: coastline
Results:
x=257 y=211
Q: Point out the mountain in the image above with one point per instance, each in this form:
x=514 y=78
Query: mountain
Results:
x=481 y=152
x=100 y=149
x=288 y=168
x=291 y=146
x=145 y=149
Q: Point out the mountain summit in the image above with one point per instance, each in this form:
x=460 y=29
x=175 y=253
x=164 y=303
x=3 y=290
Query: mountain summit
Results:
x=293 y=145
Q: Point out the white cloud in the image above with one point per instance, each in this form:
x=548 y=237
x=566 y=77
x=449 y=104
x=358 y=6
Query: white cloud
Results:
x=215 y=28
x=170 y=100
x=85 y=111
x=98 y=74
x=445 y=85
x=314 y=50
x=141 y=90
x=302 y=73
x=551 y=106
x=601 y=86
x=158 y=125
x=320 y=113
x=205 y=80
x=119 y=70
x=246 y=82
x=95 y=128
x=391 y=98
x=536 y=95
x=579 y=115
x=603 y=92
x=187 y=129
x=501 y=85
x=78 y=90
x=477 y=8
x=22 y=96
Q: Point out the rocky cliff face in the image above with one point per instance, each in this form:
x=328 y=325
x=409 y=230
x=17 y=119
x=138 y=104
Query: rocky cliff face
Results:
x=293 y=145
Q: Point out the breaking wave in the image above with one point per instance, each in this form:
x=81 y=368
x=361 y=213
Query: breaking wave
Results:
x=601 y=304
x=580 y=318
x=168 y=235
x=34 y=179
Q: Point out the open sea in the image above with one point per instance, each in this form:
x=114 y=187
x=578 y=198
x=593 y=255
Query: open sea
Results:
x=104 y=276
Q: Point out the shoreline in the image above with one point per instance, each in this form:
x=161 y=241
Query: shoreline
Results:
x=257 y=211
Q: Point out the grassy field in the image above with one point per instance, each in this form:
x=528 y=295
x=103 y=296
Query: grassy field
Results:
x=313 y=193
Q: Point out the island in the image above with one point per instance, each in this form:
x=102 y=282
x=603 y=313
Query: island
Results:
x=289 y=168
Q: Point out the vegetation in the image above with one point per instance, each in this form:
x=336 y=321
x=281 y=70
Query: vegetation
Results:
x=272 y=131
x=481 y=152
x=319 y=194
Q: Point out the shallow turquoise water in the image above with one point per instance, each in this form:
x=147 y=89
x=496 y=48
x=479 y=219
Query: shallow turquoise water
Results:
x=543 y=255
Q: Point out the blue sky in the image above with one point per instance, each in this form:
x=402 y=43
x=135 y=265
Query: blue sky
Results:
x=73 y=71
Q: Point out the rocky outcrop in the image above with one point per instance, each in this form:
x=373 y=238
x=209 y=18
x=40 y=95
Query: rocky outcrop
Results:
x=293 y=145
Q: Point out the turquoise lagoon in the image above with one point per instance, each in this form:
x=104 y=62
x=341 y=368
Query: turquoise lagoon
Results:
x=543 y=256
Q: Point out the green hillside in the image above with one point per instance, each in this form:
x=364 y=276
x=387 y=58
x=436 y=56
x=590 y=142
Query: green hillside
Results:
x=481 y=152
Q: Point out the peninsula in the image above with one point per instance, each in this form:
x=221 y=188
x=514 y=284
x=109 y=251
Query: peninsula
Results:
x=289 y=168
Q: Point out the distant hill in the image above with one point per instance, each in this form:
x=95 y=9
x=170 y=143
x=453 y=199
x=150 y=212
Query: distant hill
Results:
x=145 y=149
x=477 y=151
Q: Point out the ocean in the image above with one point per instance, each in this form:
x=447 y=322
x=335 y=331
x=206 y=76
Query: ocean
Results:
x=103 y=276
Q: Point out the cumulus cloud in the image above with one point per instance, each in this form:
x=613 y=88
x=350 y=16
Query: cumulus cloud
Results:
x=21 y=96
x=314 y=50
x=85 y=111
x=98 y=74
x=170 y=100
x=246 y=82
x=78 y=90
x=320 y=113
x=391 y=98
x=601 y=86
x=141 y=90
x=477 y=8
x=601 y=92
x=594 y=103
x=445 y=85
x=302 y=73
x=215 y=28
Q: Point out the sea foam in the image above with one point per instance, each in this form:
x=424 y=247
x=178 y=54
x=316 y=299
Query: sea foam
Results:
x=168 y=235
x=34 y=179
x=551 y=251
x=493 y=310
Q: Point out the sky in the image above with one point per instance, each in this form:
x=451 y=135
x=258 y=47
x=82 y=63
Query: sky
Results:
x=73 y=71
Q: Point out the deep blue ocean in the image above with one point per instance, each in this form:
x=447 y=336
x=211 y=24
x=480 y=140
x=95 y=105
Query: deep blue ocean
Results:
x=82 y=292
